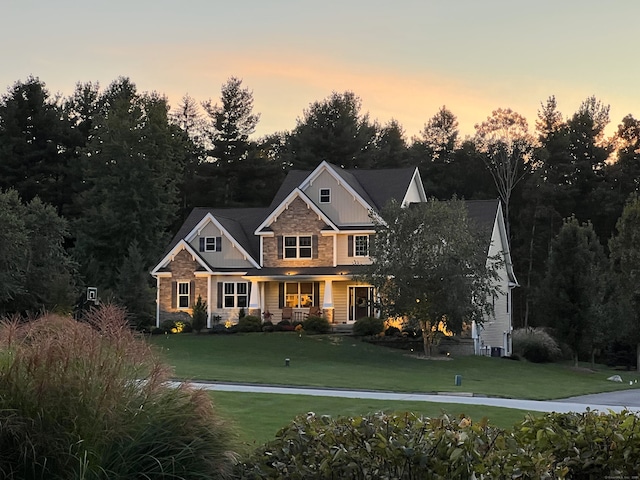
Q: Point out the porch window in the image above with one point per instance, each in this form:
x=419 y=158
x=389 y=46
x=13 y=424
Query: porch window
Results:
x=297 y=247
x=361 y=245
x=183 y=294
x=299 y=294
x=235 y=295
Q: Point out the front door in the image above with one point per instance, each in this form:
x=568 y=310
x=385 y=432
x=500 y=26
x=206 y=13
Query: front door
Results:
x=360 y=302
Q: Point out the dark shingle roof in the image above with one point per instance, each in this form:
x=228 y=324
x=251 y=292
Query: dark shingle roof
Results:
x=376 y=187
x=239 y=222
x=483 y=214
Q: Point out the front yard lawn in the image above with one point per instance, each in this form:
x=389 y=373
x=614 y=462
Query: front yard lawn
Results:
x=346 y=362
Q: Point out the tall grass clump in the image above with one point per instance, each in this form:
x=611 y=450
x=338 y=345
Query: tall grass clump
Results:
x=536 y=345
x=90 y=400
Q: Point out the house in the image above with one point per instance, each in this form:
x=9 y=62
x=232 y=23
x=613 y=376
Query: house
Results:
x=303 y=252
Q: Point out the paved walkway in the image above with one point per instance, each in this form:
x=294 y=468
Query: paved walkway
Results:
x=615 y=401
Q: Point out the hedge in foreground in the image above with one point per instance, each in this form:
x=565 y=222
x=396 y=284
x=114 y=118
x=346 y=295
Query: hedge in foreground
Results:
x=90 y=401
x=555 y=446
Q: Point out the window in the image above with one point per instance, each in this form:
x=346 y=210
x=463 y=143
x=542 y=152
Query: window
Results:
x=235 y=295
x=361 y=245
x=183 y=294
x=210 y=244
x=297 y=247
x=325 y=195
x=299 y=295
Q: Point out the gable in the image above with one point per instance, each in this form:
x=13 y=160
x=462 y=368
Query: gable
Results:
x=344 y=207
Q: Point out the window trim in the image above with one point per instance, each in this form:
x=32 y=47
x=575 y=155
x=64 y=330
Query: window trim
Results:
x=298 y=247
x=326 y=195
x=299 y=294
x=355 y=246
x=235 y=296
x=183 y=295
x=210 y=247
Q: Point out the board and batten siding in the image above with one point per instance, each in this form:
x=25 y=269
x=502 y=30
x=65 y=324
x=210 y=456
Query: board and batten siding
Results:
x=228 y=256
x=343 y=209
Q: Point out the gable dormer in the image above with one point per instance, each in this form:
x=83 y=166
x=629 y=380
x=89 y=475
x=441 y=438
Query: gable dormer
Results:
x=337 y=195
x=217 y=246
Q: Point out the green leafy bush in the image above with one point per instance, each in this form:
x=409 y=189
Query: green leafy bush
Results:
x=406 y=446
x=315 y=324
x=368 y=326
x=267 y=326
x=249 y=323
x=90 y=400
x=402 y=446
x=535 y=345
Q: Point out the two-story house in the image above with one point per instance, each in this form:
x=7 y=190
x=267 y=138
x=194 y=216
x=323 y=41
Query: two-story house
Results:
x=304 y=252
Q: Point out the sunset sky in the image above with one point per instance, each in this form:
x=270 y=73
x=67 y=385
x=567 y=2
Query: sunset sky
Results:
x=404 y=59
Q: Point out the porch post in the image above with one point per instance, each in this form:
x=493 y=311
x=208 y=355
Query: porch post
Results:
x=209 y=301
x=327 y=303
x=254 y=299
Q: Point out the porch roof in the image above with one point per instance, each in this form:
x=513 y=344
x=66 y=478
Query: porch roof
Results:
x=283 y=273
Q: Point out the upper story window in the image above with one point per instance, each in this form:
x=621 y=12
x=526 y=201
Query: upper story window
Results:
x=210 y=244
x=183 y=294
x=361 y=245
x=358 y=245
x=298 y=247
x=325 y=195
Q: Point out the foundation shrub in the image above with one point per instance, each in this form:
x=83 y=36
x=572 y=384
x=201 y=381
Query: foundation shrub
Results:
x=90 y=400
x=392 y=331
x=315 y=324
x=535 y=345
x=368 y=326
x=249 y=323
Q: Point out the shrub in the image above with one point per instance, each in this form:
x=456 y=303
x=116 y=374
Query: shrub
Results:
x=267 y=326
x=283 y=326
x=368 y=326
x=249 y=323
x=199 y=315
x=402 y=446
x=392 y=331
x=406 y=446
x=109 y=412
x=316 y=325
x=176 y=326
x=535 y=345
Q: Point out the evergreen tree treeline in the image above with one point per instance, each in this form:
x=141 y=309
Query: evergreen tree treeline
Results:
x=124 y=170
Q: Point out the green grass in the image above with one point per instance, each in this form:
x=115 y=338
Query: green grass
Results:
x=256 y=417
x=346 y=362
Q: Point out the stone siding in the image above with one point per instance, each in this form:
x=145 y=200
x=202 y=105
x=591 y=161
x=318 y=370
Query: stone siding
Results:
x=298 y=219
x=182 y=269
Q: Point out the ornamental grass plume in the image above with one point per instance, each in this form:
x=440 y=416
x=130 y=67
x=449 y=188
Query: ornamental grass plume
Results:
x=89 y=400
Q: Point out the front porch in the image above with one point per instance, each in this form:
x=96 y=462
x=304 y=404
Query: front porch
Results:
x=339 y=298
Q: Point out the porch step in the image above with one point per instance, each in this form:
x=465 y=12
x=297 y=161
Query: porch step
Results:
x=342 y=328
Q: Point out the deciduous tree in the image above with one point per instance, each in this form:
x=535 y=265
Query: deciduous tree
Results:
x=429 y=263
x=505 y=140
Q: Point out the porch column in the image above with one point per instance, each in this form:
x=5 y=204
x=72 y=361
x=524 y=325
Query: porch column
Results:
x=254 y=299
x=327 y=303
x=209 y=301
